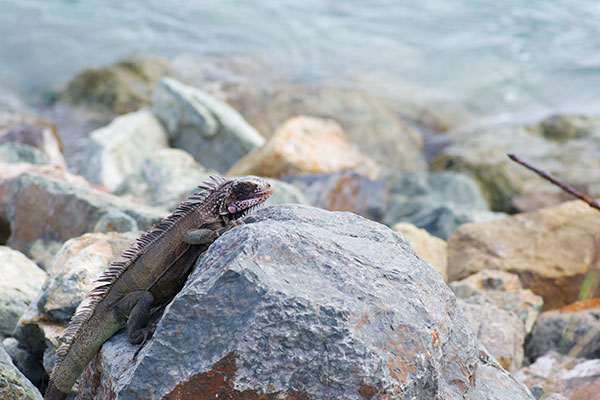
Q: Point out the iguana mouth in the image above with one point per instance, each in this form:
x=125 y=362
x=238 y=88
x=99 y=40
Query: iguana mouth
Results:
x=241 y=208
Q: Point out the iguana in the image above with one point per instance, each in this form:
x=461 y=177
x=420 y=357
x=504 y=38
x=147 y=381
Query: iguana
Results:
x=151 y=273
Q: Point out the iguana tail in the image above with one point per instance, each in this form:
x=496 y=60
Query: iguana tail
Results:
x=68 y=367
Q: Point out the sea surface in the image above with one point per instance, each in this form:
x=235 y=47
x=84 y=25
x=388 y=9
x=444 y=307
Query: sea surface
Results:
x=512 y=59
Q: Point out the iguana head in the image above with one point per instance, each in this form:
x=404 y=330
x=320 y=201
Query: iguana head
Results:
x=233 y=198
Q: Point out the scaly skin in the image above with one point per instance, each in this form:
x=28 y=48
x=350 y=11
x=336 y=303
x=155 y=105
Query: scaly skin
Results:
x=153 y=272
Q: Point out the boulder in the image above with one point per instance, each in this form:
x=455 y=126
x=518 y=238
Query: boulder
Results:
x=438 y=202
x=305 y=145
x=304 y=303
x=26 y=363
x=344 y=191
x=42 y=212
x=567 y=147
x=37 y=138
x=13 y=384
x=74 y=270
x=505 y=291
x=214 y=133
x=164 y=179
x=432 y=249
x=571 y=330
x=551 y=250
x=118 y=88
x=119 y=148
x=369 y=121
x=501 y=332
x=573 y=378
x=20 y=283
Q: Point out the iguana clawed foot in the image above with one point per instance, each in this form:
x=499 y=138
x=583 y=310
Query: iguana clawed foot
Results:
x=207 y=236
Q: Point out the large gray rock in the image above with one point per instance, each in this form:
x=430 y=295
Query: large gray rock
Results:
x=21 y=280
x=43 y=212
x=17 y=152
x=119 y=148
x=214 y=133
x=438 y=202
x=13 y=385
x=305 y=303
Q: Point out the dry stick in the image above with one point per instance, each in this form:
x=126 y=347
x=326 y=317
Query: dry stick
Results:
x=591 y=202
x=568 y=336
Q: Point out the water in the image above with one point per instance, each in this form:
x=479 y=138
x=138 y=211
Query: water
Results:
x=507 y=59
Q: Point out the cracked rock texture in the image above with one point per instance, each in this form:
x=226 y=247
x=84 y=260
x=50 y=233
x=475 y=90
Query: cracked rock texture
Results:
x=302 y=303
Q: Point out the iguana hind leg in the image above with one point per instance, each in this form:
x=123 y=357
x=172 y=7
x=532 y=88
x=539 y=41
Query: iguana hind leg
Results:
x=136 y=306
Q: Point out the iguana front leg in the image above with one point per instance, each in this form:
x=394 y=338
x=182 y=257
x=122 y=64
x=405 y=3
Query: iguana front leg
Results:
x=207 y=236
x=136 y=307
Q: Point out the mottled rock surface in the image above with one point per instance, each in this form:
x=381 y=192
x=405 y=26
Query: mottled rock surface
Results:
x=438 y=202
x=305 y=145
x=21 y=280
x=550 y=250
x=43 y=212
x=304 y=303
x=13 y=385
x=505 y=291
x=574 y=378
x=214 y=133
x=432 y=249
x=571 y=330
x=344 y=191
x=118 y=149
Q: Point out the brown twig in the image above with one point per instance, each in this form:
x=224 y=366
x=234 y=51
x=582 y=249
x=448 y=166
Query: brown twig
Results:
x=591 y=202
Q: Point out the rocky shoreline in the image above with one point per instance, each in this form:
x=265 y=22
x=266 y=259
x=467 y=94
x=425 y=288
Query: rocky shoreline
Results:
x=345 y=303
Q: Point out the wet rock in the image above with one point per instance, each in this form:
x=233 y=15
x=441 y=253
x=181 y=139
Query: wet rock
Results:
x=438 y=202
x=305 y=145
x=369 y=121
x=43 y=212
x=119 y=88
x=20 y=283
x=119 y=148
x=26 y=132
x=550 y=250
x=571 y=330
x=501 y=332
x=164 y=179
x=14 y=385
x=573 y=156
x=573 y=378
x=432 y=249
x=77 y=265
x=214 y=133
x=306 y=304
x=344 y=191
x=505 y=291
